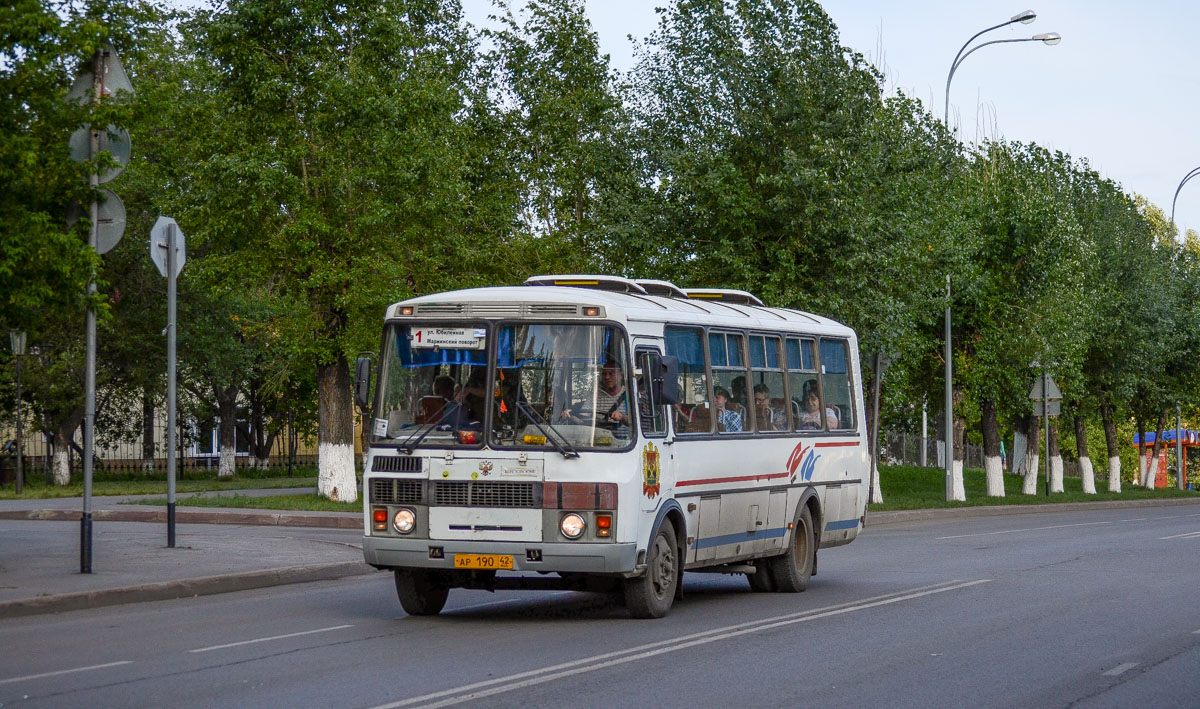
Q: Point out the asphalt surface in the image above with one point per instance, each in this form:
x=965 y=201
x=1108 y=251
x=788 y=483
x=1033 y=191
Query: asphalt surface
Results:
x=222 y=550
x=1058 y=608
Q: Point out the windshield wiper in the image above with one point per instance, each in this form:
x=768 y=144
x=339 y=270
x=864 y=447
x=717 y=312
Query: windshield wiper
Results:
x=409 y=444
x=565 y=448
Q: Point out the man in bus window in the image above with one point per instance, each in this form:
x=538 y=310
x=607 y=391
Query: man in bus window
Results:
x=612 y=405
x=768 y=417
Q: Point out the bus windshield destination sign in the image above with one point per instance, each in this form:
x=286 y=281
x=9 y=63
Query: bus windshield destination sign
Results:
x=461 y=338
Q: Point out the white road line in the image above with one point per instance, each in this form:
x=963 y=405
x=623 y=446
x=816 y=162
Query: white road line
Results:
x=1029 y=529
x=520 y=680
x=1196 y=632
x=65 y=672
x=1138 y=519
x=273 y=637
x=1123 y=667
x=1185 y=534
x=526 y=599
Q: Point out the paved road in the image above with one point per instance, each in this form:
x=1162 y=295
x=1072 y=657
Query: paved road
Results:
x=1093 y=608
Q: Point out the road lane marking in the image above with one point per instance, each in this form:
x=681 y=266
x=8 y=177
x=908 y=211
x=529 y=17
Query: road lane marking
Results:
x=1121 y=668
x=273 y=637
x=65 y=672
x=529 y=678
x=1187 y=535
x=1028 y=529
x=1138 y=519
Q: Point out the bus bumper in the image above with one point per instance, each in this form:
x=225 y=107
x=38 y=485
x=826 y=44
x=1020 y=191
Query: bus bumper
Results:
x=605 y=558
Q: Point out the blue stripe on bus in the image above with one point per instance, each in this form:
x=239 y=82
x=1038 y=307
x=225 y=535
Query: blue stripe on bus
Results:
x=844 y=524
x=708 y=542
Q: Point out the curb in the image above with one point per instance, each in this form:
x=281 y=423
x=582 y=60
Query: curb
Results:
x=879 y=519
x=184 y=588
x=267 y=519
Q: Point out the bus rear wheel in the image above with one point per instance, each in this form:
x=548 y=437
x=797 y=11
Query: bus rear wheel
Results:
x=421 y=591
x=792 y=570
x=651 y=594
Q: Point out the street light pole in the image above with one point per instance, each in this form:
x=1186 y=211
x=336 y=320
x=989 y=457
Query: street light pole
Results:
x=1181 y=467
x=1049 y=38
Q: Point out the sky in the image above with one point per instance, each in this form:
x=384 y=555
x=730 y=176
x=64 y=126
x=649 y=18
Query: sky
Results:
x=1117 y=91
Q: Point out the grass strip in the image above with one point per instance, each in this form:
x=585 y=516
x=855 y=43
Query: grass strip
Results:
x=910 y=487
x=311 y=502
x=153 y=486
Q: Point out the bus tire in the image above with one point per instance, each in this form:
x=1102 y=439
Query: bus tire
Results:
x=761 y=580
x=421 y=591
x=792 y=570
x=651 y=594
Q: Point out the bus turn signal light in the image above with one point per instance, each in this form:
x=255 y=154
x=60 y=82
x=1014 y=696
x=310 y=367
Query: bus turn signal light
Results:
x=603 y=525
x=379 y=519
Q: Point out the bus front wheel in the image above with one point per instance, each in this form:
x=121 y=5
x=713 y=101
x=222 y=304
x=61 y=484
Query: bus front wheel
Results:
x=791 y=570
x=421 y=591
x=651 y=594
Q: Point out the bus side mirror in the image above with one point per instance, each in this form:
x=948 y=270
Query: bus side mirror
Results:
x=666 y=382
x=362 y=382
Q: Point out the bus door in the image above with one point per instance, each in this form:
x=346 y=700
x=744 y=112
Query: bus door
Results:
x=657 y=462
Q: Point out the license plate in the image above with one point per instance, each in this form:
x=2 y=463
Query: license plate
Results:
x=483 y=561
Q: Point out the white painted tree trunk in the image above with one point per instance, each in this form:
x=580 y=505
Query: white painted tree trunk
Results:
x=262 y=463
x=1140 y=479
x=1056 y=473
x=957 y=492
x=227 y=463
x=1020 y=446
x=335 y=477
x=1088 y=475
x=1031 y=475
x=1114 y=474
x=995 y=476
x=1148 y=467
x=61 y=466
x=876 y=493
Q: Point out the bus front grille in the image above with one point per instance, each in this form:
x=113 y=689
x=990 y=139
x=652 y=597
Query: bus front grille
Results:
x=396 y=464
x=398 y=492
x=480 y=494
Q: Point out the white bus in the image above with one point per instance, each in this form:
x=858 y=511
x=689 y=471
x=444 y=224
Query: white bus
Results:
x=608 y=434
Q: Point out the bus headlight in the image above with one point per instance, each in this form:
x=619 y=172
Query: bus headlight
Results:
x=404 y=521
x=572 y=526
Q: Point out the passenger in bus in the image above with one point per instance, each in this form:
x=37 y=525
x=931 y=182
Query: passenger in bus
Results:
x=471 y=397
x=441 y=407
x=810 y=415
x=769 y=418
x=732 y=420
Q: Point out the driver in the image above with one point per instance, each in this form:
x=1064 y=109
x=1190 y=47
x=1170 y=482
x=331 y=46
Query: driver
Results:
x=612 y=405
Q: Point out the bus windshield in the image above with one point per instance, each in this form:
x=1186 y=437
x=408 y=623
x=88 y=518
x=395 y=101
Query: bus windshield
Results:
x=561 y=386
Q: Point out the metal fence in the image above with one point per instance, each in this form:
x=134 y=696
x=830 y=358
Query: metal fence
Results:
x=904 y=448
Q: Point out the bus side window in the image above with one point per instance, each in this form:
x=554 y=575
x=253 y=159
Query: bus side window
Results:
x=650 y=413
x=687 y=345
x=801 y=376
x=835 y=381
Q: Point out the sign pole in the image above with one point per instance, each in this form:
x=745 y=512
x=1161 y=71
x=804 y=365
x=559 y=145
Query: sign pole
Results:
x=89 y=411
x=171 y=384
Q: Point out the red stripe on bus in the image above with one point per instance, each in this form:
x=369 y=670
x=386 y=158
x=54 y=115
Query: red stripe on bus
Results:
x=836 y=444
x=743 y=478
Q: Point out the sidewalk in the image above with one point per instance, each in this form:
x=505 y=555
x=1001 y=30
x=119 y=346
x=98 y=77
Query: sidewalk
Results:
x=217 y=550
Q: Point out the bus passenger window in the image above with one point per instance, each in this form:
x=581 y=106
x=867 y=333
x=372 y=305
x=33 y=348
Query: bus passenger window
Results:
x=690 y=414
x=767 y=392
x=729 y=375
x=835 y=380
x=801 y=377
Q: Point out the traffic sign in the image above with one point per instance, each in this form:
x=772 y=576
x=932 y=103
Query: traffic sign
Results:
x=1054 y=406
x=1052 y=389
x=158 y=245
x=110 y=222
x=113 y=77
x=115 y=140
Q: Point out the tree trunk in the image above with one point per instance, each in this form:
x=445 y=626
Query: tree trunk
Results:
x=1086 y=473
x=336 y=477
x=1152 y=464
x=957 y=491
x=1141 y=471
x=62 y=437
x=227 y=431
x=1056 y=461
x=991 y=449
x=147 y=431
x=1020 y=447
x=1114 y=453
x=1033 y=425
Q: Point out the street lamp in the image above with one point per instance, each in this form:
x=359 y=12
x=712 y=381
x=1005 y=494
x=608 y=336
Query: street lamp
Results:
x=1181 y=472
x=17 y=339
x=1048 y=38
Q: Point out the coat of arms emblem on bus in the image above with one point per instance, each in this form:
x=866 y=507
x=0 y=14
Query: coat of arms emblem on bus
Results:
x=650 y=471
x=802 y=462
